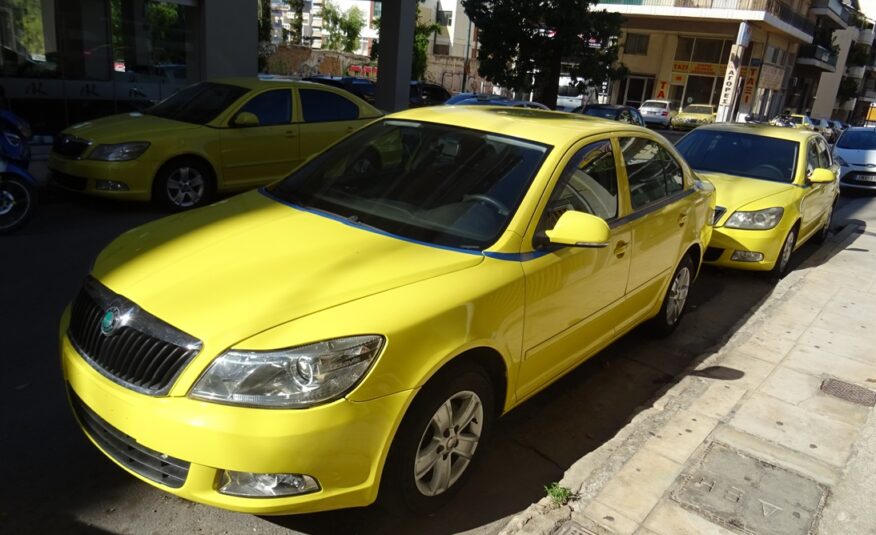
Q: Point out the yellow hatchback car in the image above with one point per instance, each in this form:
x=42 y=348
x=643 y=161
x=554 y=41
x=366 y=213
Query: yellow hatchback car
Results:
x=693 y=115
x=355 y=328
x=776 y=189
x=226 y=135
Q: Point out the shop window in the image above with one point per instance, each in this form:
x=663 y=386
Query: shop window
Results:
x=708 y=50
x=684 y=49
x=725 y=52
x=441 y=50
x=636 y=44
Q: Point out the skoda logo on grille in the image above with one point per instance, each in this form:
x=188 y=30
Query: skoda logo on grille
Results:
x=112 y=320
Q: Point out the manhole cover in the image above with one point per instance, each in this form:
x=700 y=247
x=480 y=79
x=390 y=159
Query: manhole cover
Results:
x=573 y=528
x=849 y=392
x=750 y=496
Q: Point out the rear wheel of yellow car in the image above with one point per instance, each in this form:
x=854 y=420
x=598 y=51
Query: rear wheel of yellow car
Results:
x=439 y=440
x=183 y=183
x=784 y=259
x=675 y=300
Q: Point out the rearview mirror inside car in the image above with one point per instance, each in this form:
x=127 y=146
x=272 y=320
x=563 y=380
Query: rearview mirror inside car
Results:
x=579 y=229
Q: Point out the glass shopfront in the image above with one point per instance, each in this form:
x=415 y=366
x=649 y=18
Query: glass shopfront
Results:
x=65 y=61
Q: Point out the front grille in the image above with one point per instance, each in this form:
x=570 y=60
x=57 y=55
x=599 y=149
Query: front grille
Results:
x=66 y=181
x=142 y=353
x=70 y=146
x=712 y=254
x=158 y=467
x=719 y=212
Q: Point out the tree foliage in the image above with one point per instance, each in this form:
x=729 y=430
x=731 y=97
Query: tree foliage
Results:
x=296 y=33
x=525 y=44
x=341 y=31
x=423 y=32
x=848 y=89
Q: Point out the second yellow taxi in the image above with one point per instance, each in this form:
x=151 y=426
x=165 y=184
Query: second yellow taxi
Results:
x=357 y=328
x=776 y=190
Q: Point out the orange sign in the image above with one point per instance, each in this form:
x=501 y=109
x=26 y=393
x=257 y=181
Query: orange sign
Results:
x=709 y=69
x=680 y=66
x=661 y=91
x=750 y=76
x=678 y=79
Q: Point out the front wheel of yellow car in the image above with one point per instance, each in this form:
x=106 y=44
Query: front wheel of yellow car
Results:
x=439 y=439
x=784 y=260
x=675 y=300
x=183 y=183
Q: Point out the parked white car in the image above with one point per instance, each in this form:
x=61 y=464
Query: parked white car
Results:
x=657 y=112
x=855 y=151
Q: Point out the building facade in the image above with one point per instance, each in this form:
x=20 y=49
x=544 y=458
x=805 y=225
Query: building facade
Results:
x=66 y=61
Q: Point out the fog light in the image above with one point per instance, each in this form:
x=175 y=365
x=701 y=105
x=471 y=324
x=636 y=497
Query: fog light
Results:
x=110 y=185
x=746 y=256
x=252 y=485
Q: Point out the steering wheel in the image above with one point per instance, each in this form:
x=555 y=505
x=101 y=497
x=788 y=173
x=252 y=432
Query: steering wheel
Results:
x=770 y=170
x=486 y=199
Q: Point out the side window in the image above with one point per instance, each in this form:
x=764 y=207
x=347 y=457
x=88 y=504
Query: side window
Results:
x=811 y=157
x=588 y=184
x=321 y=106
x=271 y=107
x=652 y=172
x=823 y=154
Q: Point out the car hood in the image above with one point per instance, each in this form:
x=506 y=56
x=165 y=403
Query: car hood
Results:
x=733 y=192
x=126 y=127
x=857 y=158
x=231 y=270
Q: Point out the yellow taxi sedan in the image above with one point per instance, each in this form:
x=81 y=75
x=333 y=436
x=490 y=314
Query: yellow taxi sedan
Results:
x=359 y=328
x=219 y=136
x=692 y=116
x=776 y=190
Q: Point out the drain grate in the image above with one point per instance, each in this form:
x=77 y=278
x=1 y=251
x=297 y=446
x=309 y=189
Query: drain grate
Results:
x=573 y=528
x=849 y=392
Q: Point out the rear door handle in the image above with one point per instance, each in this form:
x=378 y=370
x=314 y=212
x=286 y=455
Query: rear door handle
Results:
x=291 y=133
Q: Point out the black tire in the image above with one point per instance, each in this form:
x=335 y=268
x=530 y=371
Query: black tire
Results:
x=18 y=201
x=785 y=253
x=183 y=184
x=675 y=300
x=401 y=489
x=824 y=233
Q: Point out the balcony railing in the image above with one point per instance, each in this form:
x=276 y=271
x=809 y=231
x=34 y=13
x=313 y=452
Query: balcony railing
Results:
x=817 y=52
x=776 y=8
x=836 y=6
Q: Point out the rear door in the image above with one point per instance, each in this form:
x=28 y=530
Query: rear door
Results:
x=325 y=117
x=259 y=154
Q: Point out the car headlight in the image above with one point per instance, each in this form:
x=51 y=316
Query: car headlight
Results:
x=839 y=160
x=757 y=220
x=121 y=152
x=292 y=378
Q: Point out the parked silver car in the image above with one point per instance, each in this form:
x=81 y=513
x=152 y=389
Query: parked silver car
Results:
x=855 y=151
x=657 y=112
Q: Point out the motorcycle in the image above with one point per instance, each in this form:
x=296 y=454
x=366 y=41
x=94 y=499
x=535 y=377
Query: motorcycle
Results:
x=18 y=188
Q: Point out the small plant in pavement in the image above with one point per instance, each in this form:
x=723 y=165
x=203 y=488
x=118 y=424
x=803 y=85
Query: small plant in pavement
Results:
x=558 y=494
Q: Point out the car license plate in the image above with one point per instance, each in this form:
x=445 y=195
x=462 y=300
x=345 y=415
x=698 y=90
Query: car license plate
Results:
x=866 y=178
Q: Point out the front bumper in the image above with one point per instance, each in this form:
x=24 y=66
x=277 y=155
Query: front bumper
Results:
x=857 y=179
x=342 y=444
x=82 y=176
x=727 y=240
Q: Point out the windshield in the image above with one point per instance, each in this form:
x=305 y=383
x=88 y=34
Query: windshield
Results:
x=199 y=103
x=797 y=119
x=431 y=183
x=698 y=109
x=746 y=155
x=605 y=113
x=654 y=104
x=858 y=140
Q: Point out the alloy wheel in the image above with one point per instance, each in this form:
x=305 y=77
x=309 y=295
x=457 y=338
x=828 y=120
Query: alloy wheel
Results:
x=787 y=249
x=677 y=295
x=448 y=443
x=185 y=187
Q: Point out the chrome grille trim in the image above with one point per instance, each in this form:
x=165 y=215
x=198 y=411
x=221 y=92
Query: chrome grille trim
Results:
x=144 y=354
x=156 y=466
x=70 y=146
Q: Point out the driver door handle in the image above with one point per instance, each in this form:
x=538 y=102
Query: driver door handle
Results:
x=682 y=219
x=620 y=249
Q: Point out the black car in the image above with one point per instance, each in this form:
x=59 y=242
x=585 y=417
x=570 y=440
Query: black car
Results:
x=427 y=94
x=361 y=87
x=615 y=112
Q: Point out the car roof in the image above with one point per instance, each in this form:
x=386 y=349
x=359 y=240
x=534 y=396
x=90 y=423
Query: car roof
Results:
x=605 y=106
x=262 y=83
x=541 y=126
x=780 y=132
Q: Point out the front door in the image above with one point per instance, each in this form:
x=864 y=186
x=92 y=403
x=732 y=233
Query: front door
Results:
x=571 y=291
x=254 y=155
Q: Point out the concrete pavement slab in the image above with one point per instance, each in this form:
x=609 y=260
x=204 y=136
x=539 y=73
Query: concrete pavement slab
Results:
x=638 y=486
x=669 y=518
x=681 y=436
x=719 y=400
x=804 y=390
x=819 y=361
x=608 y=518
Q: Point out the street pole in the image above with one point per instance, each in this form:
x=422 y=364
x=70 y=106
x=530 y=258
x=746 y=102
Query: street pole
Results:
x=465 y=65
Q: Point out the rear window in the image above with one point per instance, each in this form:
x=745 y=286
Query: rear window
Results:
x=605 y=113
x=654 y=104
x=322 y=106
x=857 y=140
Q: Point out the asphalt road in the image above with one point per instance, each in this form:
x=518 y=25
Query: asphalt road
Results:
x=55 y=481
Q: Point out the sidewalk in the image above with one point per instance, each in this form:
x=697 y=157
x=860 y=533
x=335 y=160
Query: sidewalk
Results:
x=774 y=433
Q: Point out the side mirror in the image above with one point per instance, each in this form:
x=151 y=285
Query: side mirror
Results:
x=245 y=119
x=579 y=230
x=821 y=176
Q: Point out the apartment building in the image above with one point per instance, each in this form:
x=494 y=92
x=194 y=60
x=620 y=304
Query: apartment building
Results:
x=314 y=22
x=682 y=51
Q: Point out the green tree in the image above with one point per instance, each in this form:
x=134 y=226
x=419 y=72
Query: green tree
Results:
x=296 y=33
x=525 y=43
x=423 y=32
x=341 y=31
x=265 y=30
x=848 y=89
